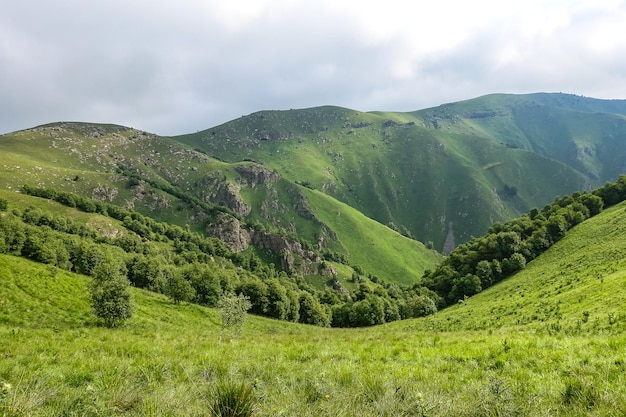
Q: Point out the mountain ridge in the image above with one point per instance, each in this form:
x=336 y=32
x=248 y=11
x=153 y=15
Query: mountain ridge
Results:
x=439 y=175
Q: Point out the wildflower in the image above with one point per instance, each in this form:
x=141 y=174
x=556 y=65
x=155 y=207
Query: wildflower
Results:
x=6 y=388
x=327 y=396
x=420 y=397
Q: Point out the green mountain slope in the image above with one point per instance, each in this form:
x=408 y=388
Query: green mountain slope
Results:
x=442 y=174
x=438 y=176
x=243 y=203
x=575 y=287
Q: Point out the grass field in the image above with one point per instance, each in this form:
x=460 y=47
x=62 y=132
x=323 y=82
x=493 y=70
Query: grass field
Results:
x=549 y=341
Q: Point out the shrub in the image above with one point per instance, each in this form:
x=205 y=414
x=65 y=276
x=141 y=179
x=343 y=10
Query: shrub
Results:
x=233 y=310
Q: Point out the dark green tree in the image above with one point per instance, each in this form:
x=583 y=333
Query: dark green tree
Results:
x=110 y=295
x=418 y=306
x=312 y=312
x=177 y=288
x=278 y=301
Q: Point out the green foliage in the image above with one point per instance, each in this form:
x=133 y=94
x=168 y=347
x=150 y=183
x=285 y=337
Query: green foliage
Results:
x=177 y=288
x=110 y=296
x=233 y=310
x=507 y=247
x=312 y=312
x=418 y=306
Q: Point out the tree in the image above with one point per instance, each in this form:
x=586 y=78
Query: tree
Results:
x=418 y=306
x=484 y=273
x=368 y=312
x=110 y=296
x=147 y=273
x=312 y=312
x=278 y=302
x=256 y=291
x=465 y=287
x=205 y=283
x=177 y=288
x=233 y=310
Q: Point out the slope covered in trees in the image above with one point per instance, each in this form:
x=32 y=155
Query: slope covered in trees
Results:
x=507 y=248
x=189 y=267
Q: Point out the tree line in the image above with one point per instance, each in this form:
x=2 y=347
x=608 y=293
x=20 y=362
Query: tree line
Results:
x=507 y=247
x=190 y=267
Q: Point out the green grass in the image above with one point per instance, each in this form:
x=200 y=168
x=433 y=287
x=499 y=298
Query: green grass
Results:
x=576 y=287
x=540 y=343
x=372 y=246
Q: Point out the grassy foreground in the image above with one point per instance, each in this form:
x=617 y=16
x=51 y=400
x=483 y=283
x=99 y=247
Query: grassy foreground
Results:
x=549 y=341
x=166 y=362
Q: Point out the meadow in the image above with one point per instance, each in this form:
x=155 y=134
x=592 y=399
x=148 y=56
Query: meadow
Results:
x=548 y=341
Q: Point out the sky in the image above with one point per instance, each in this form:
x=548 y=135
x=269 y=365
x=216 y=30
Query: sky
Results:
x=176 y=67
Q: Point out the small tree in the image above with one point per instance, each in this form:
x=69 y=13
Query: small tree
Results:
x=110 y=296
x=177 y=288
x=233 y=310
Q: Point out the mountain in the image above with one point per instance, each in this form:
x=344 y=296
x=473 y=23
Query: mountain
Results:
x=250 y=207
x=439 y=175
x=300 y=187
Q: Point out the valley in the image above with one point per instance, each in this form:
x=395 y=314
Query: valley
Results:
x=475 y=248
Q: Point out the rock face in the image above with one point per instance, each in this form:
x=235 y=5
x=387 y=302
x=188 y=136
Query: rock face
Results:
x=225 y=193
x=294 y=258
x=228 y=195
x=255 y=174
x=228 y=229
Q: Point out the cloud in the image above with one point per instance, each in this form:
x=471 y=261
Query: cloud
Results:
x=182 y=66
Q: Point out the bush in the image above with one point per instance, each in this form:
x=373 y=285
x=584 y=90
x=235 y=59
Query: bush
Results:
x=233 y=310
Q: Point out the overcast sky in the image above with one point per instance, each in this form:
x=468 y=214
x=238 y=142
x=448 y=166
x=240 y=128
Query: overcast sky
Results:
x=174 y=67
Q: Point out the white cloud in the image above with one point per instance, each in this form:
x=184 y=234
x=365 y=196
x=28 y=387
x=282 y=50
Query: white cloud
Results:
x=177 y=67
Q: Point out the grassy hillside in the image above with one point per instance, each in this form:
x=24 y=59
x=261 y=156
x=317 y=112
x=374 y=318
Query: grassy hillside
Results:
x=440 y=173
x=585 y=134
x=576 y=287
x=373 y=246
x=546 y=342
x=168 y=181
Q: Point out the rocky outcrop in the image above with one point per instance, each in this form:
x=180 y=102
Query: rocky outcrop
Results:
x=255 y=174
x=104 y=193
x=228 y=195
x=225 y=193
x=294 y=258
x=228 y=229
